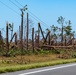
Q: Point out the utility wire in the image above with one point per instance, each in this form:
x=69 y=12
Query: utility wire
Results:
x=9 y=7
x=36 y=18
x=18 y=3
x=14 y=4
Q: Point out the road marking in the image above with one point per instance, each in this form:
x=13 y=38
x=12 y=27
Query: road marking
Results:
x=48 y=69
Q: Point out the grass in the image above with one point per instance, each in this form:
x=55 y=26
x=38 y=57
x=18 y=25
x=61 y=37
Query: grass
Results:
x=41 y=59
x=4 y=69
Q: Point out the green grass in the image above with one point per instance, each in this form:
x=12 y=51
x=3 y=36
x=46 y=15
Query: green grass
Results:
x=18 y=67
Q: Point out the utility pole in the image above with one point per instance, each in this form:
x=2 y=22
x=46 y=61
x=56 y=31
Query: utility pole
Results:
x=38 y=34
x=21 y=36
x=7 y=44
x=27 y=28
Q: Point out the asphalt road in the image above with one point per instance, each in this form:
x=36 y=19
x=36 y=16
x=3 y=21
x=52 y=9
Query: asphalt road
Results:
x=67 y=69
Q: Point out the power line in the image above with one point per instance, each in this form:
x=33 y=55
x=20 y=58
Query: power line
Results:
x=14 y=4
x=18 y=3
x=36 y=18
x=9 y=7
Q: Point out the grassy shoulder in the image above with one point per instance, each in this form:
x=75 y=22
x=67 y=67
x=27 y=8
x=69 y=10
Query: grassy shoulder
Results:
x=36 y=60
x=18 y=67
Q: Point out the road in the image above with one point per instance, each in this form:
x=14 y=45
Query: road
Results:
x=66 y=69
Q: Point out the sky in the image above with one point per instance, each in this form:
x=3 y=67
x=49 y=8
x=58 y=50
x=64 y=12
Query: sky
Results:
x=44 y=11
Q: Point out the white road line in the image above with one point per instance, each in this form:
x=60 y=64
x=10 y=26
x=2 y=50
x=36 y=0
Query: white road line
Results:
x=48 y=69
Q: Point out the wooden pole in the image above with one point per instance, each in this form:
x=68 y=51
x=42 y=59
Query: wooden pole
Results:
x=27 y=26
x=21 y=34
x=33 y=39
x=38 y=33
x=7 y=44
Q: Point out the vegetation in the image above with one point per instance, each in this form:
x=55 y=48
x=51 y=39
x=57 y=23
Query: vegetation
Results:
x=37 y=59
x=16 y=67
x=56 y=47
